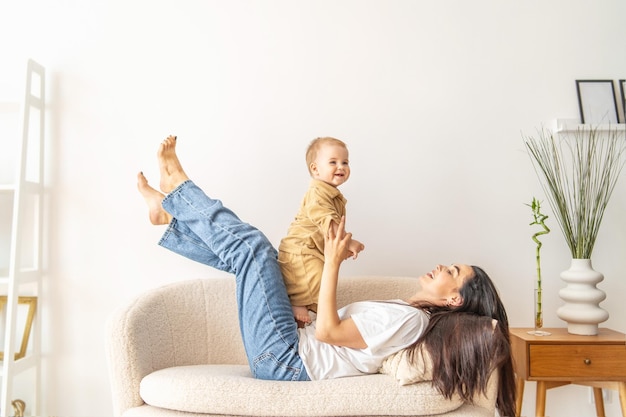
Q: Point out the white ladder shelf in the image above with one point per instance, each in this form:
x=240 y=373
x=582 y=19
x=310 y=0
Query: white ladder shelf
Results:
x=22 y=279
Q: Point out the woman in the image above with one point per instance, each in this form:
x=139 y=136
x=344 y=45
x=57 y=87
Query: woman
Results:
x=352 y=341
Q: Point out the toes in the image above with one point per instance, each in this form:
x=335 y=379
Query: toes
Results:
x=141 y=180
x=170 y=141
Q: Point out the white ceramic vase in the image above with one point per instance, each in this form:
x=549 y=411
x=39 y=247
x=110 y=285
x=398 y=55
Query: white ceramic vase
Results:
x=582 y=310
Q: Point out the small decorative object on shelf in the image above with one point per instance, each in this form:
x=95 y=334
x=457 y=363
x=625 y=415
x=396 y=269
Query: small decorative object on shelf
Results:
x=538 y=219
x=19 y=406
x=596 y=101
x=31 y=302
x=622 y=89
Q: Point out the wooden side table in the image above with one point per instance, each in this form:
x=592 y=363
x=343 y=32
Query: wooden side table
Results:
x=562 y=358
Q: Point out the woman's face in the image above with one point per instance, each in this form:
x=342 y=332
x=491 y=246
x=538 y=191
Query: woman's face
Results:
x=441 y=286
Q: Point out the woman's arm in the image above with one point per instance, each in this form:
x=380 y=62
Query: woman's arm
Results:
x=329 y=328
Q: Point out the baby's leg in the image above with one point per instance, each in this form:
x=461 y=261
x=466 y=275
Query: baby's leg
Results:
x=301 y=314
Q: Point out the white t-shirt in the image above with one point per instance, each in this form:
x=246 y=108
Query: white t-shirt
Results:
x=386 y=327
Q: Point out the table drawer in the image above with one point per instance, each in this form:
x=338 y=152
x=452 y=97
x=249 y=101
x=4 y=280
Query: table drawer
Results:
x=578 y=361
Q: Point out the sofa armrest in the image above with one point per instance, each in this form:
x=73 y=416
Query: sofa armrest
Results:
x=140 y=340
x=127 y=357
x=186 y=323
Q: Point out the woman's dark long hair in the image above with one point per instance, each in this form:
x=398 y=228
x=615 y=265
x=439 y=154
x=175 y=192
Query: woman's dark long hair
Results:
x=465 y=348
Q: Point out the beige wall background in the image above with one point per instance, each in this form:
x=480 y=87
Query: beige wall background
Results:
x=431 y=97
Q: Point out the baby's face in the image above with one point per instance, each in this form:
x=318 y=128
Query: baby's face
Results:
x=331 y=165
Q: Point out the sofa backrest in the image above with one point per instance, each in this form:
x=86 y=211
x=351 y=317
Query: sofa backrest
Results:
x=202 y=314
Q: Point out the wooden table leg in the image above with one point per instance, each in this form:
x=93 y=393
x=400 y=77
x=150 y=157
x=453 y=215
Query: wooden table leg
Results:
x=540 y=401
x=519 y=385
x=599 y=400
x=542 y=387
x=622 y=396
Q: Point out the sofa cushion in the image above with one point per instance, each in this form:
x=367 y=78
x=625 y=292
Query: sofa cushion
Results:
x=400 y=368
x=231 y=389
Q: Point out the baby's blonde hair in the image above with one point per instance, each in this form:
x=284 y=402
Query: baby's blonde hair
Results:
x=316 y=144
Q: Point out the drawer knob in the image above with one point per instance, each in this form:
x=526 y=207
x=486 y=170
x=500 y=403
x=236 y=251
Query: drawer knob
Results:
x=587 y=361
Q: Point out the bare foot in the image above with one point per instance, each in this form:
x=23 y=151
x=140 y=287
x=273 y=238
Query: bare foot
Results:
x=301 y=313
x=172 y=174
x=153 y=198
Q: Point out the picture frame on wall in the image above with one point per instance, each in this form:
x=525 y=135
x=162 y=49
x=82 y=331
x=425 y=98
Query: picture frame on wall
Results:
x=622 y=89
x=596 y=101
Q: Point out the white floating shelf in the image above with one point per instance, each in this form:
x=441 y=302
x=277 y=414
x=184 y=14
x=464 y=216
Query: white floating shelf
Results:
x=573 y=125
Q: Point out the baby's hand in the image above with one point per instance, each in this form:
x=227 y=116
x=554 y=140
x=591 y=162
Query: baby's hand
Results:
x=354 y=247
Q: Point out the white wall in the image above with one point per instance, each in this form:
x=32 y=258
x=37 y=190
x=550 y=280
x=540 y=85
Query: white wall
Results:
x=432 y=98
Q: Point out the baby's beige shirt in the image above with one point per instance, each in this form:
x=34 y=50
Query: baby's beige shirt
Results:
x=321 y=204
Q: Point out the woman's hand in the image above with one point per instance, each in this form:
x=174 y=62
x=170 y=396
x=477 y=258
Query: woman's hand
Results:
x=353 y=247
x=337 y=243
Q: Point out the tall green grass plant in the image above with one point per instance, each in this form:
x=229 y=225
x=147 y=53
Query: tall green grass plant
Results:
x=578 y=171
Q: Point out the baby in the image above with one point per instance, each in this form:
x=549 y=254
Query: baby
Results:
x=301 y=252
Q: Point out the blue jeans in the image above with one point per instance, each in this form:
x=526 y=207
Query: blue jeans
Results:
x=207 y=232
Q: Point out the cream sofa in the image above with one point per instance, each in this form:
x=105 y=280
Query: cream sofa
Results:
x=176 y=352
